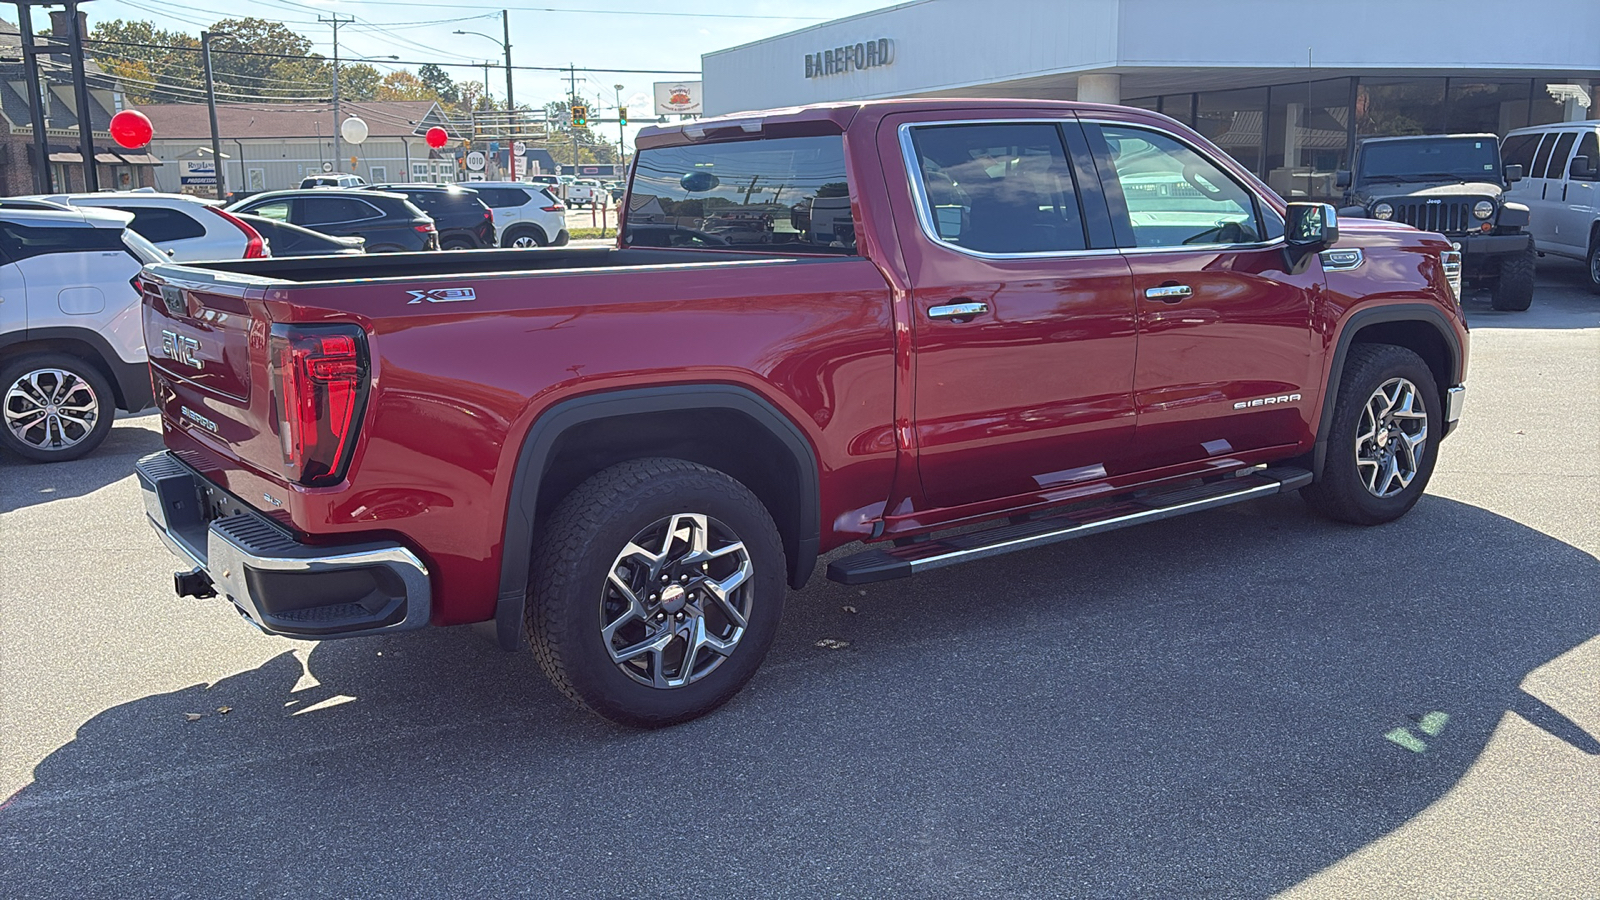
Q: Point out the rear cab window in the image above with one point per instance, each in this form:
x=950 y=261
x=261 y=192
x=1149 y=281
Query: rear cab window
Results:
x=790 y=194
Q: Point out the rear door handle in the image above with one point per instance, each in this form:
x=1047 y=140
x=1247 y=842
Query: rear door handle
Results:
x=958 y=311
x=1170 y=293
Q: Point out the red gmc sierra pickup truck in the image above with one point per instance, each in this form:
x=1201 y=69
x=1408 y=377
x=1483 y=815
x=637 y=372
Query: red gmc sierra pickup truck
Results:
x=876 y=322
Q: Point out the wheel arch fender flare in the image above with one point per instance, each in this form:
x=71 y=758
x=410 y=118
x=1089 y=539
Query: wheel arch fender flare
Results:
x=541 y=441
x=130 y=382
x=1378 y=315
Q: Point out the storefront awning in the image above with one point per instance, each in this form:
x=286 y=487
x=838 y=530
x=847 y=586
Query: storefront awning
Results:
x=105 y=158
x=140 y=159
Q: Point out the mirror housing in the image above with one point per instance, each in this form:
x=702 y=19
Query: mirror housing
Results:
x=1513 y=173
x=1581 y=168
x=1310 y=227
x=1341 y=178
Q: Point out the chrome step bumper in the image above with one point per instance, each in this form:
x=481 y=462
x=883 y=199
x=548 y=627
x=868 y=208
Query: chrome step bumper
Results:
x=283 y=586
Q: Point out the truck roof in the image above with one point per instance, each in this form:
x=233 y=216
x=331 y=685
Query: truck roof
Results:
x=1431 y=137
x=825 y=118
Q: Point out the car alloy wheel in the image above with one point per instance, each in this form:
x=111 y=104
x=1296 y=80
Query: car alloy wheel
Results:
x=1392 y=438
x=677 y=601
x=524 y=241
x=51 y=409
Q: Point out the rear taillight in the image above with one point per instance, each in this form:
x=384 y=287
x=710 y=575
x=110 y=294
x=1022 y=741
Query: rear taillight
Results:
x=427 y=229
x=557 y=208
x=319 y=379
x=254 y=246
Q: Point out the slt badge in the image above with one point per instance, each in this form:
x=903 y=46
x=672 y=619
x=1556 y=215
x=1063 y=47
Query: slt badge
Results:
x=442 y=295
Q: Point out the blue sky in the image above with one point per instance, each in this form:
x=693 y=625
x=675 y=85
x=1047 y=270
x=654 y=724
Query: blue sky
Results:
x=594 y=33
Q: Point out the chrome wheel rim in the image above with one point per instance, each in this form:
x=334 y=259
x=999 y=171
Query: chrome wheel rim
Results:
x=524 y=241
x=1391 y=438
x=51 y=409
x=1594 y=266
x=677 y=601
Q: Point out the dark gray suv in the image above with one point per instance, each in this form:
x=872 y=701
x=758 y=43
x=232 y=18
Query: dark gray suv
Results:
x=1452 y=184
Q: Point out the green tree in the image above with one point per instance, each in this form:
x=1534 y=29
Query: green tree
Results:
x=439 y=81
x=359 y=81
x=139 y=52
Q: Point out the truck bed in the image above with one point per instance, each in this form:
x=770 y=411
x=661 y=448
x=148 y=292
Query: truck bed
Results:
x=312 y=270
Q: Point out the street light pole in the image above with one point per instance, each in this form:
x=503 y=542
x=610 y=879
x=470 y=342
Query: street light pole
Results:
x=511 y=105
x=622 y=137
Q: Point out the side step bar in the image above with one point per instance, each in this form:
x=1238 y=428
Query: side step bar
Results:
x=900 y=562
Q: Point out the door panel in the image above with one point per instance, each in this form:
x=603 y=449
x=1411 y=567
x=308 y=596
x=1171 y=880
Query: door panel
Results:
x=1033 y=391
x=1220 y=320
x=1574 y=213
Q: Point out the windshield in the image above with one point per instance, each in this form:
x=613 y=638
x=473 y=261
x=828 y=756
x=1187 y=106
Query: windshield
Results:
x=788 y=192
x=1472 y=159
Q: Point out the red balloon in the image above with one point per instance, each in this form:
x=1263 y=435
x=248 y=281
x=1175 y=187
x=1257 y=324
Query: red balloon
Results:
x=437 y=137
x=131 y=128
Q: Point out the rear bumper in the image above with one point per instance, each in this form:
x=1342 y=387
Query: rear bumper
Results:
x=281 y=585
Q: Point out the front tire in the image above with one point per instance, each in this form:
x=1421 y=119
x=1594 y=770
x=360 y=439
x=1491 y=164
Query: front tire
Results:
x=524 y=239
x=54 y=407
x=1513 y=290
x=1594 y=263
x=655 y=591
x=1383 y=439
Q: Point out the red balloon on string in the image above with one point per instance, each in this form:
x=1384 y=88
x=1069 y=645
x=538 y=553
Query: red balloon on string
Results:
x=131 y=129
x=437 y=137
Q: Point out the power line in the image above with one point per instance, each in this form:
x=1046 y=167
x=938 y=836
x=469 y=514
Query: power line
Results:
x=405 y=62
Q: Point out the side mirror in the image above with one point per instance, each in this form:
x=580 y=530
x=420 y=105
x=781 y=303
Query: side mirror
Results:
x=1513 y=173
x=1311 y=226
x=1579 y=169
x=1341 y=178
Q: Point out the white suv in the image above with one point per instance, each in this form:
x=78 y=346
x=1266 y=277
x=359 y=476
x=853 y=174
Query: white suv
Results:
x=71 y=338
x=1561 y=186
x=190 y=228
x=525 y=215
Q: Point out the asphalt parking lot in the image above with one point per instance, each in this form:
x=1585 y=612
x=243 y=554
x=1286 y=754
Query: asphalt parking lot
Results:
x=1247 y=702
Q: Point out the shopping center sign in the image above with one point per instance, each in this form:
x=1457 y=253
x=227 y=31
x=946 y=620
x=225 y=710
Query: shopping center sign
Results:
x=849 y=58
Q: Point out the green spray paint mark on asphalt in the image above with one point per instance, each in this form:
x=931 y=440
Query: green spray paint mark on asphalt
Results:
x=1433 y=723
x=1407 y=740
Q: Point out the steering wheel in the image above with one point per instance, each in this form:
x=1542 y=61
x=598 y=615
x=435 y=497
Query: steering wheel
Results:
x=1191 y=172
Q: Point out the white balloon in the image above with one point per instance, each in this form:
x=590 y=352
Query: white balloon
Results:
x=353 y=130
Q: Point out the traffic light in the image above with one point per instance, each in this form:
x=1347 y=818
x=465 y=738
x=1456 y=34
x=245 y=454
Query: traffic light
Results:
x=580 y=115
x=622 y=115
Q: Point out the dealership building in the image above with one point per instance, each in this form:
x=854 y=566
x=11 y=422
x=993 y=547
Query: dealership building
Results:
x=1287 y=89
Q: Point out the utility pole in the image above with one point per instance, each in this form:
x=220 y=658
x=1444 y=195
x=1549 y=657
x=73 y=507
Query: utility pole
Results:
x=338 y=149
x=80 y=88
x=211 y=107
x=36 y=110
x=622 y=137
x=511 y=105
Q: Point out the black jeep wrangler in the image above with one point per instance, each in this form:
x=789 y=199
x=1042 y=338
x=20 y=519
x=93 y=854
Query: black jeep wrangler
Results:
x=1450 y=184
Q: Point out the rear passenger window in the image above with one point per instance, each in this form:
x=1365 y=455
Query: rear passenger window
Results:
x=999 y=188
x=500 y=198
x=20 y=242
x=1558 y=159
x=1541 y=157
x=1175 y=196
x=162 y=225
x=327 y=210
x=1589 y=148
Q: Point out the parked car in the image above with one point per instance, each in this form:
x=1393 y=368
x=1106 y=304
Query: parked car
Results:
x=616 y=189
x=1561 y=188
x=463 y=220
x=525 y=215
x=597 y=192
x=332 y=180
x=552 y=182
x=285 y=239
x=1453 y=184
x=575 y=193
x=188 y=227
x=71 y=344
x=389 y=222
x=648 y=235
x=620 y=455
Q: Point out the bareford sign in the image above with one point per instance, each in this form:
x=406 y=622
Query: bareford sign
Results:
x=850 y=57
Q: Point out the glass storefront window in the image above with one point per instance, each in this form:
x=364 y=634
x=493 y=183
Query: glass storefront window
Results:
x=1153 y=104
x=1308 y=138
x=1487 y=106
x=1397 y=106
x=1233 y=120
x=1180 y=107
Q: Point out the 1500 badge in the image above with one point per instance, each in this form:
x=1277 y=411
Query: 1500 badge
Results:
x=1267 y=401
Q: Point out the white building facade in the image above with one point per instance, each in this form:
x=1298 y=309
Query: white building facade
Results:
x=1288 y=89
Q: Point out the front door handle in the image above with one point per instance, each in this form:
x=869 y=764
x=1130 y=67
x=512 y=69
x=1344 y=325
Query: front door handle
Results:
x=960 y=312
x=1170 y=293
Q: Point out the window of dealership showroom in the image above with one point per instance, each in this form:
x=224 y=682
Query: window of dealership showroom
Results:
x=1297 y=135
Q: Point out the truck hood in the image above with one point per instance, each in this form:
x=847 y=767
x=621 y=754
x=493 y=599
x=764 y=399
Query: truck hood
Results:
x=1372 y=193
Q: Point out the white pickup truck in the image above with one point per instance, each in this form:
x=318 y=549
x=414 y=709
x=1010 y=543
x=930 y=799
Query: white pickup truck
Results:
x=579 y=193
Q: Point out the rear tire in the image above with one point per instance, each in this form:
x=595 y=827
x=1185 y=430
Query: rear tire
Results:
x=1383 y=439
x=1513 y=290
x=524 y=238
x=54 y=407
x=1594 y=262
x=655 y=591
x=459 y=244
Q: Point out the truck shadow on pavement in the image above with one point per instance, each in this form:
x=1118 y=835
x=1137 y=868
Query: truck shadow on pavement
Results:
x=1196 y=708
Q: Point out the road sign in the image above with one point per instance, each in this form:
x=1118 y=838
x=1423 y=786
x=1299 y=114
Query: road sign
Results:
x=475 y=161
x=519 y=148
x=197 y=172
x=680 y=98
